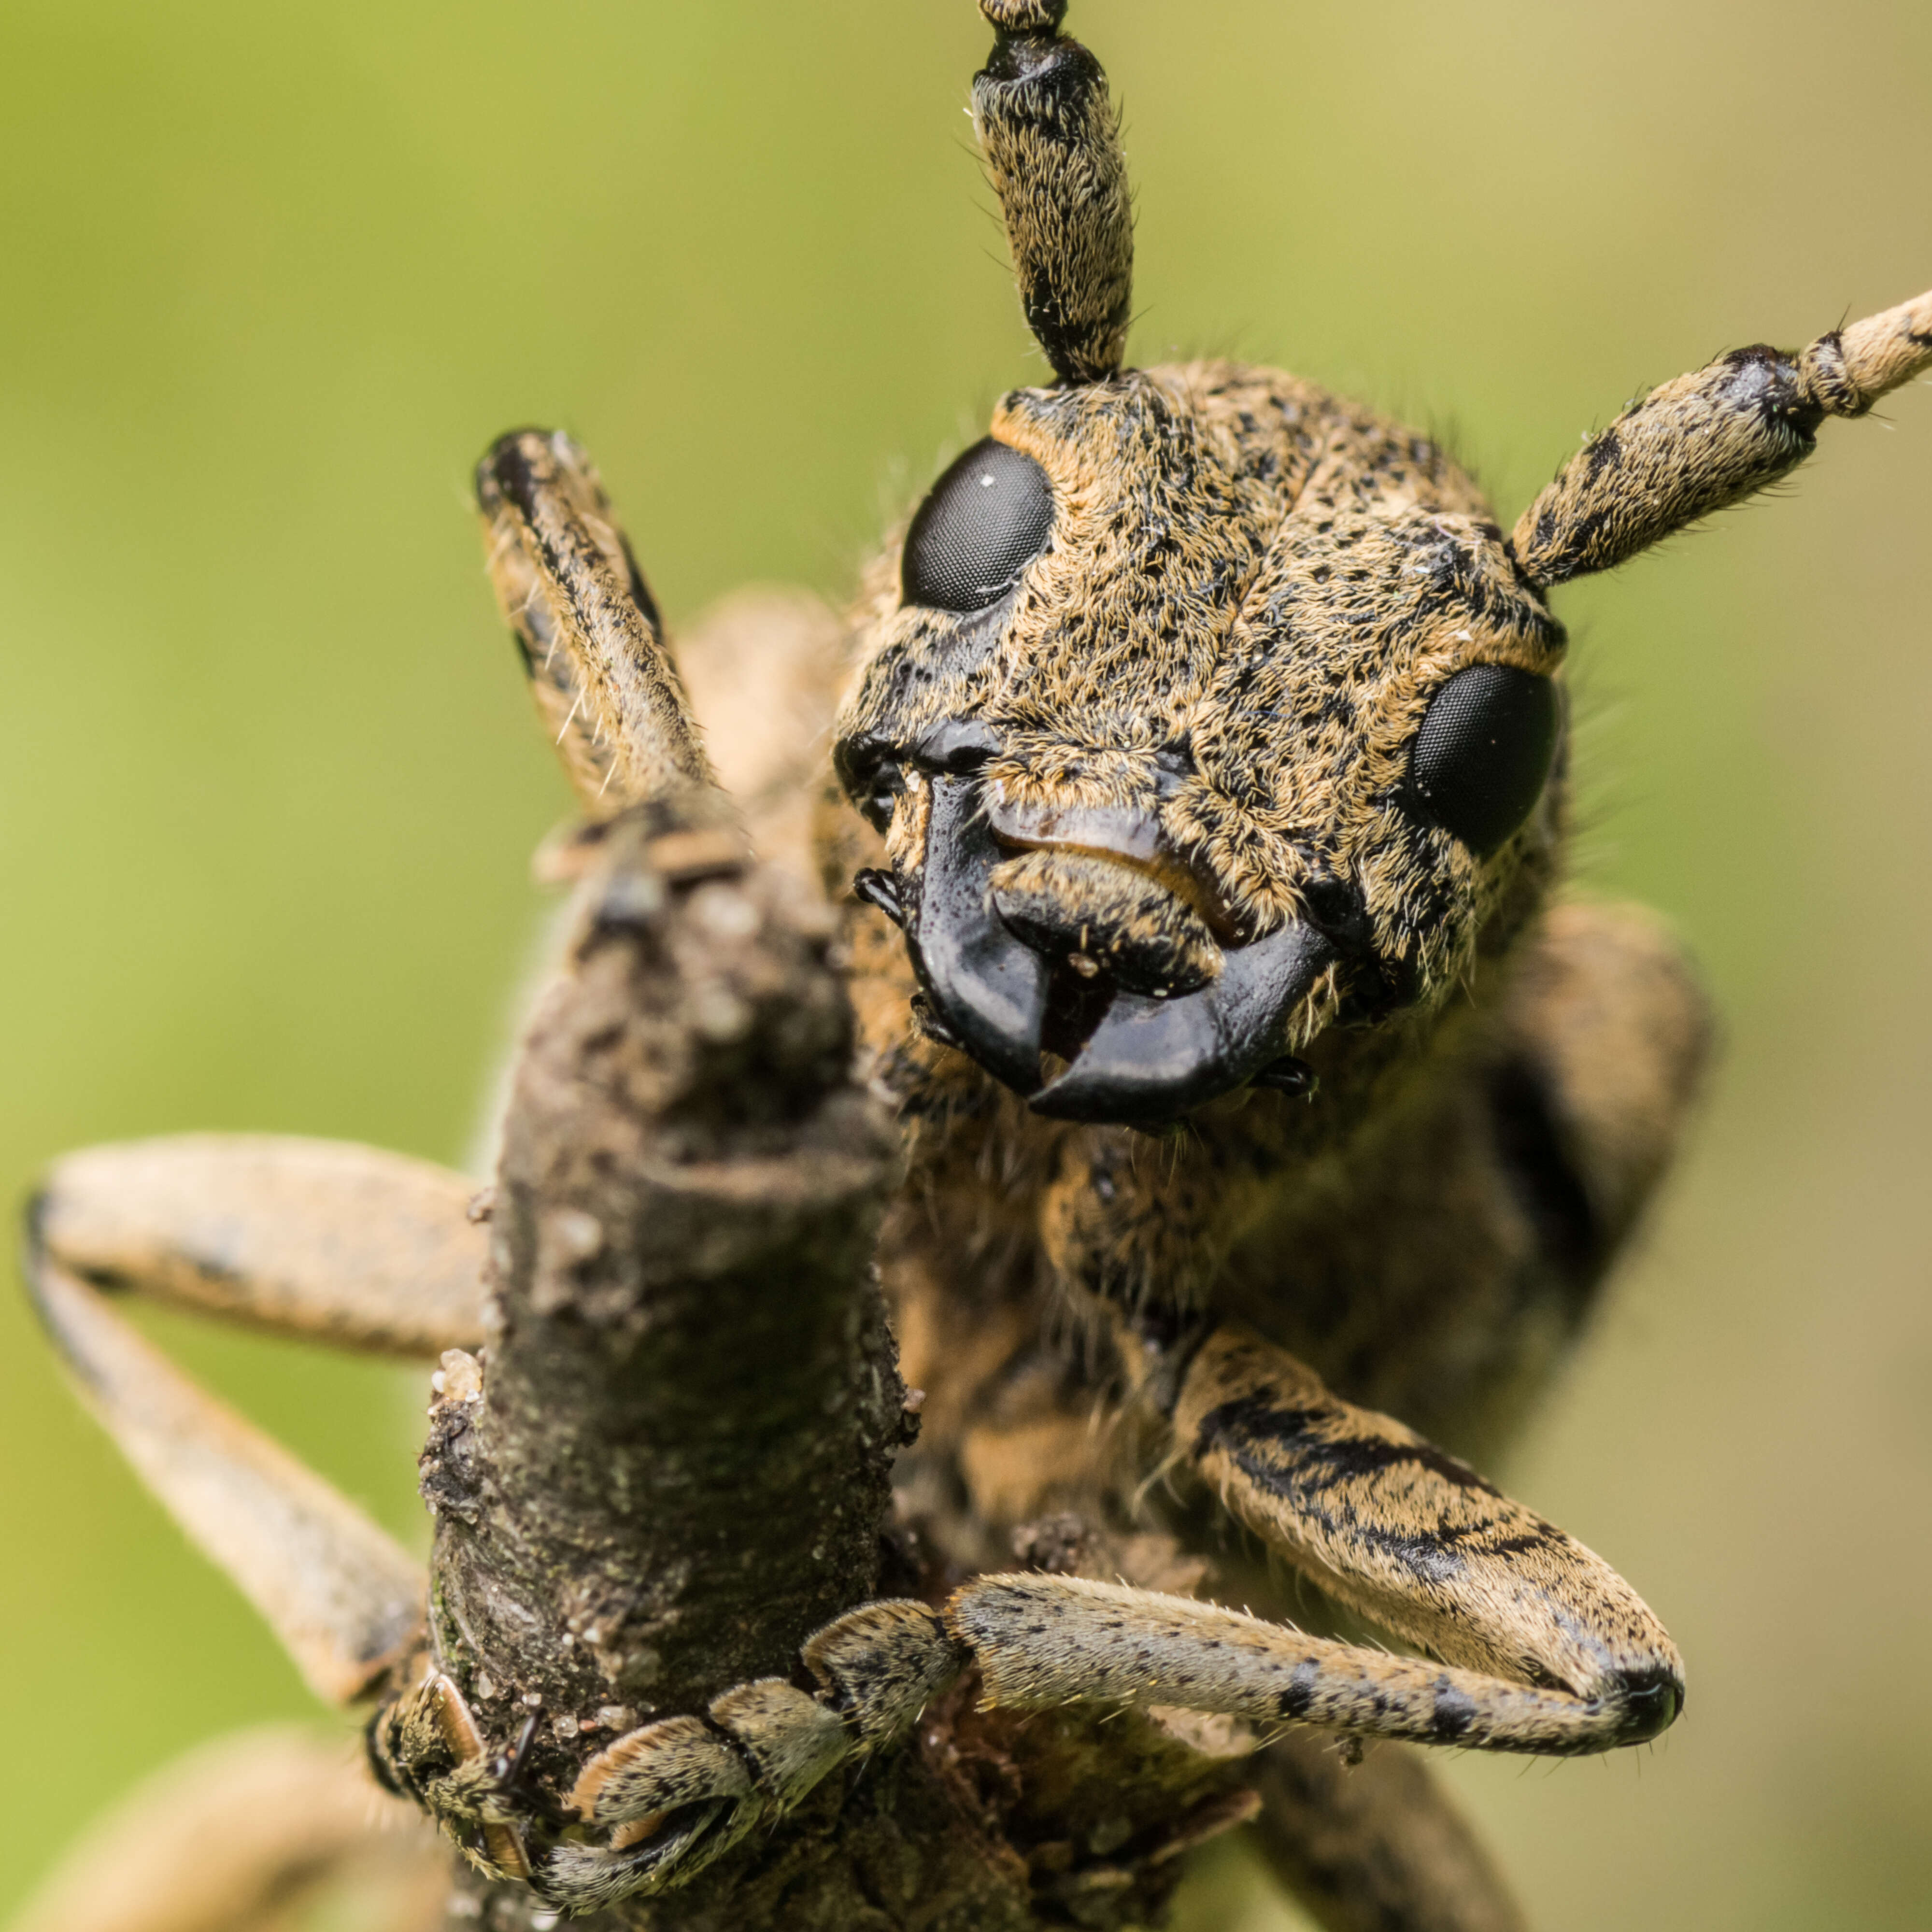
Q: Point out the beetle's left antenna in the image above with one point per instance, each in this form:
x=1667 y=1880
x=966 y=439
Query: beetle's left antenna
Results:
x=587 y=625
x=1052 y=143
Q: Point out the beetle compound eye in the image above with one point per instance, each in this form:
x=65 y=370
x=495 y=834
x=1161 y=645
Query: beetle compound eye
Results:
x=1483 y=753
x=987 y=518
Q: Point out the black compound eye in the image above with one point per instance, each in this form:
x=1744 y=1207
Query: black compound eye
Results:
x=1484 y=751
x=987 y=518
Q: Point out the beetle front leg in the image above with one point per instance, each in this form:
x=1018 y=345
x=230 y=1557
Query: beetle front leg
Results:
x=670 y=1797
x=1421 y=1545
x=323 y=1240
x=1544 y=1648
x=1044 y=1641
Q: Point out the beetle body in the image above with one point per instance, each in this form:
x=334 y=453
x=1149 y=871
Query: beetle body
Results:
x=1263 y=1122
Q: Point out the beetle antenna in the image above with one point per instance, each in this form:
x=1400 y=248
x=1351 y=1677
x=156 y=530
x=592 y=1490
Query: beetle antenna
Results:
x=1051 y=139
x=1711 y=439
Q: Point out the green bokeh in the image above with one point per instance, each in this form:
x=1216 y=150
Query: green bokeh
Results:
x=270 y=278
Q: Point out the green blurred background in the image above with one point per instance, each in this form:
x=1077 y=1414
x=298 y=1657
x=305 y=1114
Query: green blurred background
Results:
x=270 y=277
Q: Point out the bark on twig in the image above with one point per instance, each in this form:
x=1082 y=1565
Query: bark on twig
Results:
x=681 y=1461
x=679 y=1464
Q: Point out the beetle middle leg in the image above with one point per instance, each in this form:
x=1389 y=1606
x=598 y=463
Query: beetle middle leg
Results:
x=315 y=1239
x=345 y=1599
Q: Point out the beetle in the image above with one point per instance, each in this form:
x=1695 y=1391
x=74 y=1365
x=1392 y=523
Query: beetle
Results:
x=1204 y=751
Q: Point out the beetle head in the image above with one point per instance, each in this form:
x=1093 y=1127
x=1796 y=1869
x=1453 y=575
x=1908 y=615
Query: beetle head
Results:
x=1201 y=711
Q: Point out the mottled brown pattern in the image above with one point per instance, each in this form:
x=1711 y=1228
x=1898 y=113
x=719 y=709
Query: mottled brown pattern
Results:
x=1186 y=727
x=1052 y=144
x=1711 y=439
x=1253 y=591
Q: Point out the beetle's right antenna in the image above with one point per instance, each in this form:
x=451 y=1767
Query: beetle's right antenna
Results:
x=1052 y=144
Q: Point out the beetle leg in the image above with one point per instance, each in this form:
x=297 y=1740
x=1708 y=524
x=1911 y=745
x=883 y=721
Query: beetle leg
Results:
x=1043 y=1641
x=1710 y=439
x=325 y=1239
x=237 y=1834
x=675 y=1795
x=424 y=1744
x=1420 y=1544
x=1544 y=1648
x=345 y=1601
x=1376 y=1846
x=586 y=623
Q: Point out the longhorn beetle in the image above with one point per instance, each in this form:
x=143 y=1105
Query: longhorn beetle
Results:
x=1185 y=897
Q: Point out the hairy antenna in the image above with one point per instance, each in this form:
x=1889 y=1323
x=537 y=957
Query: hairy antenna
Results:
x=1711 y=439
x=1052 y=144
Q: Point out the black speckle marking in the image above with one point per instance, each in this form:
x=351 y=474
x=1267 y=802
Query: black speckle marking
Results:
x=1454 y=1713
x=1299 y=1698
x=1304 y=1460
x=1605 y=453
